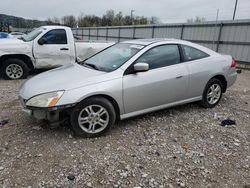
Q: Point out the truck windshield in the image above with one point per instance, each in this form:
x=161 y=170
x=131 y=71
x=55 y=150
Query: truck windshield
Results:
x=32 y=35
x=112 y=58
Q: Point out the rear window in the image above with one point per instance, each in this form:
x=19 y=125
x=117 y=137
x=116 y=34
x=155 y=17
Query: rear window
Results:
x=191 y=53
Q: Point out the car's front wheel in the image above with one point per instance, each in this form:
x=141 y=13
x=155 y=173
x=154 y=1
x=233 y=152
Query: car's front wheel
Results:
x=212 y=93
x=93 y=117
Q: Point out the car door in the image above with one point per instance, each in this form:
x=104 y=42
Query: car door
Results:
x=165 y=82
x=200 y=69
x=54 y=49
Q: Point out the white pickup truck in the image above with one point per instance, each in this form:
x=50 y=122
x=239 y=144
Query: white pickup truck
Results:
x=43 y=48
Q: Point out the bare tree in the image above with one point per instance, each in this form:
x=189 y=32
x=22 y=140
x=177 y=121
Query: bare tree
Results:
x=69 y=21
x=108 y=18
x=154 y=20
x=197 y=19
x=118 y=20
x=80 y=20
x=53 y=21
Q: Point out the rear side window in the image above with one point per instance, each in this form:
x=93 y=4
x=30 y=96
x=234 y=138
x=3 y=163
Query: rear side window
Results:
x=56 y=36
x=161 y=56
x=191 y=53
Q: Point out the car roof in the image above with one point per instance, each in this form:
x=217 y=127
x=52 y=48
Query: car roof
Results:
x=54 y=27
x=146 y=42
x=150 y=41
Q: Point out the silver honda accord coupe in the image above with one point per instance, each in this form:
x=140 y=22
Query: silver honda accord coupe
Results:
x=128 y=79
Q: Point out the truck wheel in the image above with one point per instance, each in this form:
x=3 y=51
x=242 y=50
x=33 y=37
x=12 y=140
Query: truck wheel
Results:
x=93 y=117
x=13 y=69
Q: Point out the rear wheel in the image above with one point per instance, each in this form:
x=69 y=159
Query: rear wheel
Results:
x=212 y=93
x=93 y=117
x=14 y=69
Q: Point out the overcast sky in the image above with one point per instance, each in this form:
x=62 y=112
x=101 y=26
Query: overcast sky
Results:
x=166 y=10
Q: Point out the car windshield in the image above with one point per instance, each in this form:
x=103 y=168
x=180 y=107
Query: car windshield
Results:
x=32 y=35
x=113 y=57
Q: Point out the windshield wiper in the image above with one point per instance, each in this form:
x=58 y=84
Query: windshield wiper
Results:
x=90 y=65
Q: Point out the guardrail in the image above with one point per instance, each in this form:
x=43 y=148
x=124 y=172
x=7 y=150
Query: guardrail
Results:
x=227 y=37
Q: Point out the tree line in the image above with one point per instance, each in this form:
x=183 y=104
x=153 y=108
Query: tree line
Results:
x=110 y=18
x=18 y=22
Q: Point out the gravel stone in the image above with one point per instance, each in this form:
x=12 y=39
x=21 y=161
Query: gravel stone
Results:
x=144 y=175
x=89 y=184
x=183 y=146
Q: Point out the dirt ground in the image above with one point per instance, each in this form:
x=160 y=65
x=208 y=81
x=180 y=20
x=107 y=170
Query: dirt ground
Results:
x=184 y=146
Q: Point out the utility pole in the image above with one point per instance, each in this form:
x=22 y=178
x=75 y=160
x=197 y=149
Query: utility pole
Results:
x=217 y=15
x=215 y=25
x=131 y=16
x=235 y=7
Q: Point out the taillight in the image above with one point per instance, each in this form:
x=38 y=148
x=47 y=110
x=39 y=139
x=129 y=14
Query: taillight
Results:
x=233 y=64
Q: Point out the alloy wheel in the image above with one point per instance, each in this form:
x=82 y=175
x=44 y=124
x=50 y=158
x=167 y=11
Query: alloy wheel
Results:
x=214 y=93
x=93 y=119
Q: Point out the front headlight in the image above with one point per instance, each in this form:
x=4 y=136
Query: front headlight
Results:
x=45 y=100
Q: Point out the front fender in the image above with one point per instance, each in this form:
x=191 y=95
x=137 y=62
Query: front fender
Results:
x=13 y=47
x=112 y=88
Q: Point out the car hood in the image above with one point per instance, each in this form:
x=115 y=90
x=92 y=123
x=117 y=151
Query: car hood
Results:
x=10 y=41
x=12 y=45
x=67 y=77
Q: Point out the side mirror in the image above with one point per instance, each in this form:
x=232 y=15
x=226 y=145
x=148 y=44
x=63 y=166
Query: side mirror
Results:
x=42 y=41
x=141 y=67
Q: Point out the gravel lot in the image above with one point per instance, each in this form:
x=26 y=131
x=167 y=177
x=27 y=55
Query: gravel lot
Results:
x=183 y=146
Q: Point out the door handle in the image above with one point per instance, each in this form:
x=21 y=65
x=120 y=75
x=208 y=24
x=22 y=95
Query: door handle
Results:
x=64 y=49
x=179 y=77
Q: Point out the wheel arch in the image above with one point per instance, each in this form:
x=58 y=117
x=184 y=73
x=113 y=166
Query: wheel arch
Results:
x=22 y=57
x=223 y=81
x=110 y=99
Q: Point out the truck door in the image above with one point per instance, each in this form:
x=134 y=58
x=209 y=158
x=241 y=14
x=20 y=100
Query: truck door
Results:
x=52 y=49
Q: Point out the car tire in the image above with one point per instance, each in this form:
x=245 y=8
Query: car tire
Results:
x=13 y=69
x=93 y=117
x=212 y=93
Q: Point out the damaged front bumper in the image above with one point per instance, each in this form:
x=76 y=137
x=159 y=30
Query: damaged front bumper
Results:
x=53 y=115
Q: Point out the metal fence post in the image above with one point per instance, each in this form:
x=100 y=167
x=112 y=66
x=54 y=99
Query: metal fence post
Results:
x=107 y=32
x=219 y=36
x=82 y=34
x=119 y=34
x=97 y=33
x=153 y=31
x=182 y=30
x=89 y=33
x=133 y=32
